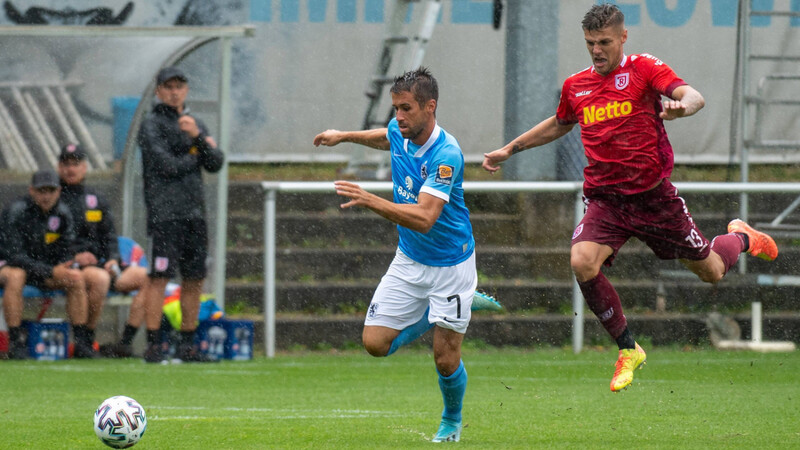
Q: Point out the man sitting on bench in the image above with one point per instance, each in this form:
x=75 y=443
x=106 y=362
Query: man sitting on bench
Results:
x=40 y=245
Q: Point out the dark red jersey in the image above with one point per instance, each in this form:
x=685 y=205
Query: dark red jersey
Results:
x=624 y=139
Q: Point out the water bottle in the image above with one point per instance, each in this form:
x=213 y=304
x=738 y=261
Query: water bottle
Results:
x=116 y=270
x=61 y=345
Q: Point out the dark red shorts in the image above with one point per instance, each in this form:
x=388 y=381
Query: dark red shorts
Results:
x=658 y=217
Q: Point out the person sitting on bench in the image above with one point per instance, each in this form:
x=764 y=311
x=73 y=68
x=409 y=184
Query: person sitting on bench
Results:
x=40 y=245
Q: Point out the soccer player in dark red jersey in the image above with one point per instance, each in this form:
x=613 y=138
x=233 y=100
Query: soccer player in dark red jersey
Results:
x=627 y=191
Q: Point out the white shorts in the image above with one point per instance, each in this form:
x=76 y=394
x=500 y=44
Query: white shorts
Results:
x=408 y=288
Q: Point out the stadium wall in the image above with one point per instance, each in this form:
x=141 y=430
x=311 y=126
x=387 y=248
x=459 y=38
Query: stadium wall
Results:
x=308 y=66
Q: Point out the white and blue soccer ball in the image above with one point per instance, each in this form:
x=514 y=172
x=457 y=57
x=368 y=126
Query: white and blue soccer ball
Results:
x=120 y=422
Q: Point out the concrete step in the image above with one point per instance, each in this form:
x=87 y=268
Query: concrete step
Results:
x=357 y=228
x=527 y=331
x=635 y=261
x=248 y=196
x=532 y=297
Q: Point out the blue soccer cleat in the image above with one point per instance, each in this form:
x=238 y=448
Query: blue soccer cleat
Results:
x=449 y=431
x=485 y=302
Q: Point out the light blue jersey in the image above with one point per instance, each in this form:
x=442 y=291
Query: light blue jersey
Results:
x=435 y=168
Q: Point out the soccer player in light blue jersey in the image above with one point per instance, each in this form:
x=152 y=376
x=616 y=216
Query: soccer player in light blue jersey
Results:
x=432 y=278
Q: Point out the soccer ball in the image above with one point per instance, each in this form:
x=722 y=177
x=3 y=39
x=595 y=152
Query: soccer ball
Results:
x=120 y=422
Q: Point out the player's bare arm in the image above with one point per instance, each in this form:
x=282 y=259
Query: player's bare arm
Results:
x=685 y=102
x=543 y=133
x=418 y=217
x=371 y=138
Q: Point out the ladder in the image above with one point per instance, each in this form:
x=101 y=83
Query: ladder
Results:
x=414 y=36
x=36 y=120
x=763 y=78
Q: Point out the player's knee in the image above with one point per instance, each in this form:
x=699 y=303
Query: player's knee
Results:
x=447 y=363
x=96 y=277
x=377 y=349
x=14 y=277
x=583 y=268
x=710 y=277
x=375 y=343
x=74 y=284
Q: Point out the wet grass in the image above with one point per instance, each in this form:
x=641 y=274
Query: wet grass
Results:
x=515 y=399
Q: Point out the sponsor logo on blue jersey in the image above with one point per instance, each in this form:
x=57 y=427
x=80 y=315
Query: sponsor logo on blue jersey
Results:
x=445 y=174
x=406 y=194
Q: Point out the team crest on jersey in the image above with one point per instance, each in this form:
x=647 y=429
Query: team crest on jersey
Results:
x=445 y=174
x=621 y=80
x=53 y=222
x=577 y=231
x=409 y=183
x=91 y=201
x=423 y=171
x=373 y=309
x=161 y=263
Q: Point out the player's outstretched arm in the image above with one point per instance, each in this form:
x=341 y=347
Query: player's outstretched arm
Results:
x=418 y=217
x=371 y=138
x=544 y=132
x=685 y=102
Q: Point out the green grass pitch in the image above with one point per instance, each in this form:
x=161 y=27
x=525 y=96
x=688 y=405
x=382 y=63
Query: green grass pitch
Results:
x=515 y=399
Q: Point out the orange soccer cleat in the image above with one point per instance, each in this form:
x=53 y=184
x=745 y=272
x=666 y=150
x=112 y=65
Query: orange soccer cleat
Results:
x=761 y=244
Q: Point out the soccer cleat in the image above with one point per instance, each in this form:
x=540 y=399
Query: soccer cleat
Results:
x=18 y=350
x=154 y=354
x=485 y=302
x=116 y=350
x=629 y=360
x=761 y=244
x=190 y=353
x=82 y=350
x=449 y=431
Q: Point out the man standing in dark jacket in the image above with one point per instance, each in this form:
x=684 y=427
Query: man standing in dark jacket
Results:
x=175 y=148
x=40 y=244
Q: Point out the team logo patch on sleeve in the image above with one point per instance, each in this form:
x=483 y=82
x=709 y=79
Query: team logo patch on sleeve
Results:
x=445 y=174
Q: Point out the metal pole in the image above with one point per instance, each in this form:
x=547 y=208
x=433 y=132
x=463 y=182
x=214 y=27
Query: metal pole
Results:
x=16 y=140
x=33 y=126
x=269 y=272
x=742 y=82
x=220 y=247
x=86 y=137
x=577 y=296
x=531 y=83
x=756 y=322
x=53 y=147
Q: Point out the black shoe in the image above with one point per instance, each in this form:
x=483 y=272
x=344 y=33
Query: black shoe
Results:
x=190 y=353
x=154 y=354
x=84 y=351
x=116 y=350
x=18 y=350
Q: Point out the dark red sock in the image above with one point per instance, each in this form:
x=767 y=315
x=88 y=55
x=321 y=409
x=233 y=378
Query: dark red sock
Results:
x=728 y=247
x=604 y=302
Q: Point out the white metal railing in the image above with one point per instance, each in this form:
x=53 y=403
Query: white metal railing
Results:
x=271 y=189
